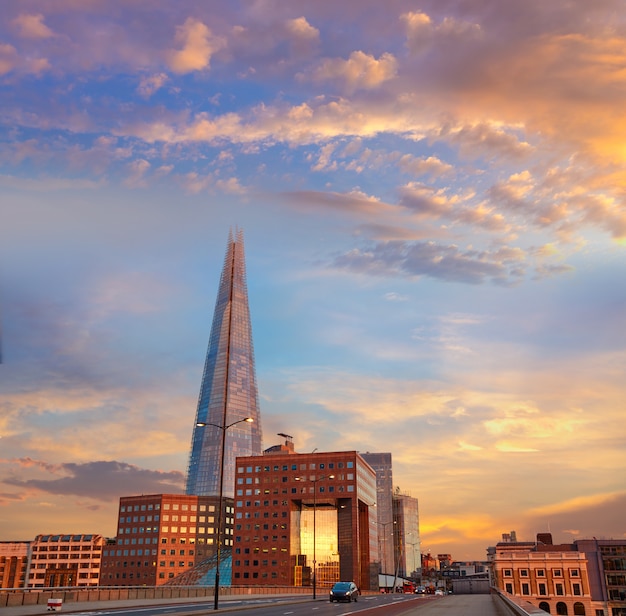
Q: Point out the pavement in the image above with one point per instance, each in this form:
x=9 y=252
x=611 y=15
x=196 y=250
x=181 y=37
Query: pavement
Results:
x=90 y=606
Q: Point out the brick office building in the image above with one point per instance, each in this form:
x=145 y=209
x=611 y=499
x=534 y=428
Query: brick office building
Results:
x=65 y=560
x=284 y=499
x=14 y=556
x=160 y=536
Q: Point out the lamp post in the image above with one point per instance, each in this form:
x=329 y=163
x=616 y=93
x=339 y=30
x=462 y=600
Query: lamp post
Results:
x=223 y=428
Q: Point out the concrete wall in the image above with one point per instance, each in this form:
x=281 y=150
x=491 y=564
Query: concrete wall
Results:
x=33 y=596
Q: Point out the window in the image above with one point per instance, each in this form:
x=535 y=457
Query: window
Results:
x=576 y=589
x=525 y=588
x=557 y=573
x=507 y=573
x=574 y=573
x=559 y=589
x=542 y=589
x=523 y=572
x=540 y=573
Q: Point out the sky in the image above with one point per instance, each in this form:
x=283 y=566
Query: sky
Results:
x=433 y=200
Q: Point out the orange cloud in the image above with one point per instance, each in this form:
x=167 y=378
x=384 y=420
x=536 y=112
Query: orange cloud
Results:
x=197 y=47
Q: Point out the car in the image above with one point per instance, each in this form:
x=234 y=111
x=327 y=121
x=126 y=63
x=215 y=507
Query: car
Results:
x=344 y=591
x=439 y=592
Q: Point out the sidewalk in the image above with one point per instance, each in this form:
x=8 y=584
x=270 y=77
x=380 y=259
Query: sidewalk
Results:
x=89 y=606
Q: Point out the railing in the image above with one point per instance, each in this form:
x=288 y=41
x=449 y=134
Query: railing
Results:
x=40 y=596
x=516 y=605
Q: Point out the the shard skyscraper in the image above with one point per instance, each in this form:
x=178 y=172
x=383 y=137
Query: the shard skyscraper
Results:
x=228 y=393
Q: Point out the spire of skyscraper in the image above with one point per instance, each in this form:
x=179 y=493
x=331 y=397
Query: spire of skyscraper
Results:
x=228 y=393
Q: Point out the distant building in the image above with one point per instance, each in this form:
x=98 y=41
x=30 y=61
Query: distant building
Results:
x=301 y=514
x=583 y=577
x=14 y=557
x=606 y=565
x=407 y=535
x=228 y=392
x=381 y=463
x=160 y=536
x=65 y=560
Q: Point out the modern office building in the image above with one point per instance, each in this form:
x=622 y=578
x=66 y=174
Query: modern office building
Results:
x=14 y=556
x=585 y=577
x=300 y=515
x=160 y=536
x=228 y=393
x=381 y=463
x=65 y=560
x=407 y=535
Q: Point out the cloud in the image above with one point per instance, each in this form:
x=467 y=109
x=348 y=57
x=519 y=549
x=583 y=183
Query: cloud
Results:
x=360 y=71
x=32 y=26
x=444 y=262
x=303 y=36
x=431 y=165
x=353 y=203
x=137 y=171
x=197 y=47
x=148 y=85
x=421 y=31
x=434 y=204
x=487 y=141
x=8 y=58
x=100 y=480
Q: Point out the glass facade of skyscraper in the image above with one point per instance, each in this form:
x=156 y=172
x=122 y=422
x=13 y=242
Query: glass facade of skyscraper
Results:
x=228 y=393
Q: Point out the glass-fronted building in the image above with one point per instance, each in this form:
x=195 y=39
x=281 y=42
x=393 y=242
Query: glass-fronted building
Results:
x=300 y=515
x=228 y=393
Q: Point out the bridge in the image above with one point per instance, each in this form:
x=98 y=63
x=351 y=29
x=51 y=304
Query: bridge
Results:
x=451 y=605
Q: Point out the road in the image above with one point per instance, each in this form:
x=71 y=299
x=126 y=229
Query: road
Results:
x=375 y=605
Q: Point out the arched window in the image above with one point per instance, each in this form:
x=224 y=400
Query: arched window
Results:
x=561 y=608
x=579 y=609
x=544 y=606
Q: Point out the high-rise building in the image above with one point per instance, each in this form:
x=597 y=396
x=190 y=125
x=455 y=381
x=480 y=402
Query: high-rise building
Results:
x=228 y=393
x=381 y=463
x=296 y=514
x=407 y=537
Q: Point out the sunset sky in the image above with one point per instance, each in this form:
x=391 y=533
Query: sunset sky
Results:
x=433 y=200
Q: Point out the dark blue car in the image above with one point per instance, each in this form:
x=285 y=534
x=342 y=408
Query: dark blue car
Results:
x=344 y=591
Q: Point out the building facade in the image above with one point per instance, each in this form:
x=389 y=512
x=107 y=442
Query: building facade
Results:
x=407 y=535
x=381 y=463
x=300 y=515
x=65 y=560
x=14 y=557
x=606 y=567
x=562 y=579
x=160 y=536
x=228 y=392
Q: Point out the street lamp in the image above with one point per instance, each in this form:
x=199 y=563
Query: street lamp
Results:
x=223 y=428
x=314 y=482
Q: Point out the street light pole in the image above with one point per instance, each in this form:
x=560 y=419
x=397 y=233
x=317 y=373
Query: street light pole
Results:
x=223 y=428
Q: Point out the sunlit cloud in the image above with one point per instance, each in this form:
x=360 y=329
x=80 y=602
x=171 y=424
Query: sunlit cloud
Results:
x=148 y=85
x=359 y=71
x=32 y=26
x=196 y=44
